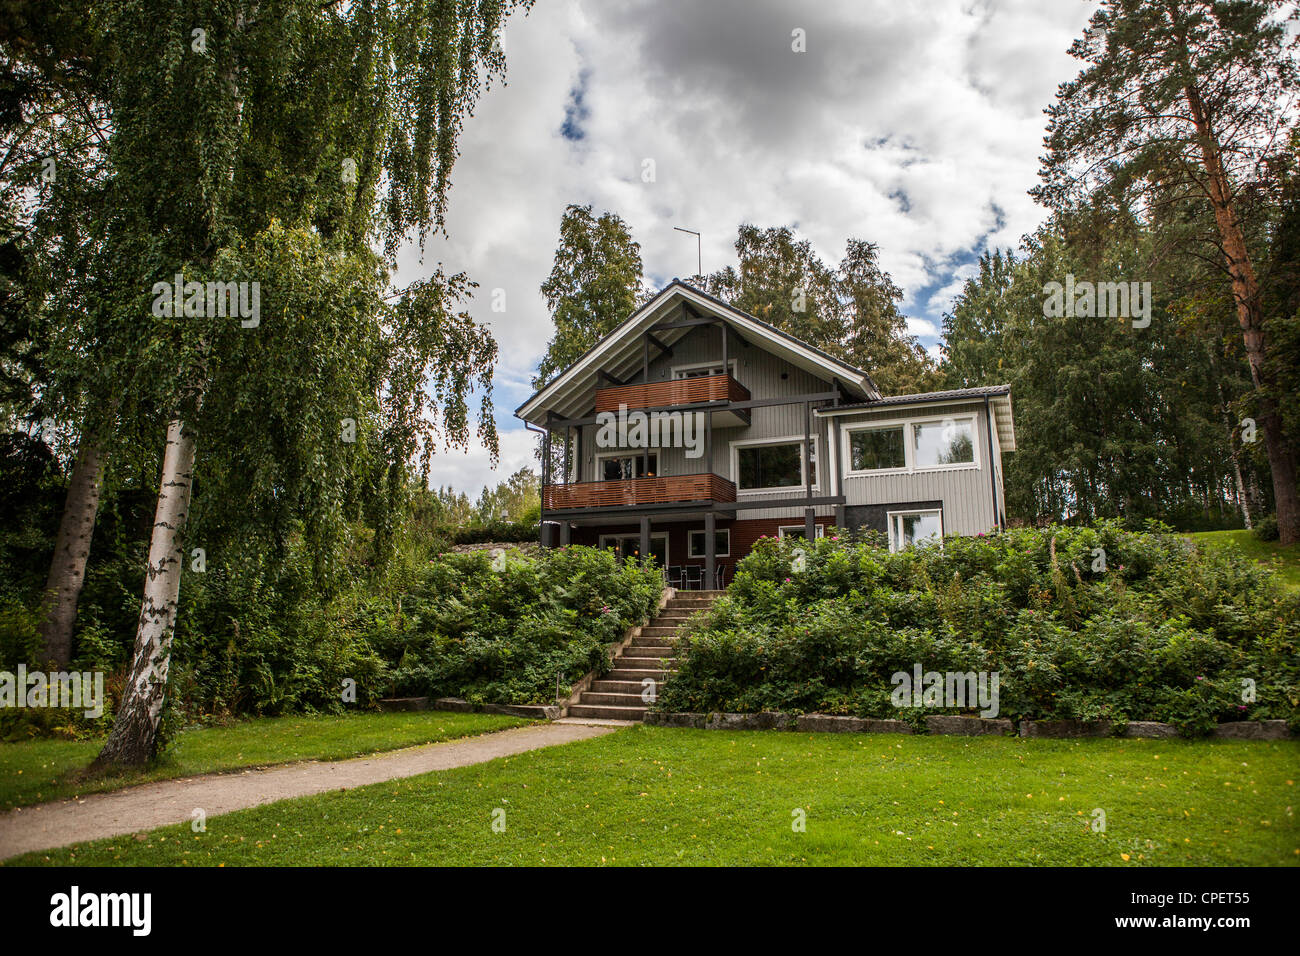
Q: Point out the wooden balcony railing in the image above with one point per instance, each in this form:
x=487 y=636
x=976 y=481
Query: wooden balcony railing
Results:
x=663 y=489
x=683 y=391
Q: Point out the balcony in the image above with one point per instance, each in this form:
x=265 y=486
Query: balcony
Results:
x=662 y=489
x=701 y=390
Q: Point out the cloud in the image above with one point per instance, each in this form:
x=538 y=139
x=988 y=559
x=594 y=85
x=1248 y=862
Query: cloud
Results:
x=917 y=127
x=470 y=471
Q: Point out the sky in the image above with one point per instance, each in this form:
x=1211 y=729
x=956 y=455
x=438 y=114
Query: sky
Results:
x=916 y=126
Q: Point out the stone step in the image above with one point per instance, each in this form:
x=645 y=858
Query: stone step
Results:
x=607 y=711
x=618 y=700
x=647 y=650
x=643 y=661
x=653 y=631
x=607 y=686
x=650 y=642
x=639 y=674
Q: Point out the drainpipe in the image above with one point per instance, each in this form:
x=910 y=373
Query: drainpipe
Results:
x=992 y=474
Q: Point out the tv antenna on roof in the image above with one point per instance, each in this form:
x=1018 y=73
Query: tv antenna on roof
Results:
x=699 y=254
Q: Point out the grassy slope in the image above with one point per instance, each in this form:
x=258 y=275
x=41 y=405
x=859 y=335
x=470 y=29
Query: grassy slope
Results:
x=39 y=770
x=656 y=796
x=1286 y=561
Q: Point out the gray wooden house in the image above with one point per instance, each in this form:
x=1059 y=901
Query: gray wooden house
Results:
x=693 y=429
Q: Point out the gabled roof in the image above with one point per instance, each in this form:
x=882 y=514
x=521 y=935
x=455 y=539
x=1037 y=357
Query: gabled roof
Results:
x=572 y=392
x=999 y=397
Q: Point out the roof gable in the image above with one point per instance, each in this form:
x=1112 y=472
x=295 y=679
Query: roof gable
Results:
x=620 y=353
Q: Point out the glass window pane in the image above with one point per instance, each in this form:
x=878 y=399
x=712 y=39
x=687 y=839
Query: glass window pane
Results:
x=916 y=529
x=943 y=443
x=876 y=449
x=620 y=469
x=721 y=544
x=770 y=466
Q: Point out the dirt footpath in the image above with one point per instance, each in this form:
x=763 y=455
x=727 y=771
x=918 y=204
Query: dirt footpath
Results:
x=150 y=805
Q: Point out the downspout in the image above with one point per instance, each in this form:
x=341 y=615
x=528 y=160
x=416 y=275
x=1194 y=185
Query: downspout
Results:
x=993 y=481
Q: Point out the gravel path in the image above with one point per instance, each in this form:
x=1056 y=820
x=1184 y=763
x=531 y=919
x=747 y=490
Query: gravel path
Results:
x=150 y=805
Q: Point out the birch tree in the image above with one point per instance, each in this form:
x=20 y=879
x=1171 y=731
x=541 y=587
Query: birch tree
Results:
x=286 y=151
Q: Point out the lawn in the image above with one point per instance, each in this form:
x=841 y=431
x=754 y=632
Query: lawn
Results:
x=648 y=795
x=1285 y=561
x=39 y=770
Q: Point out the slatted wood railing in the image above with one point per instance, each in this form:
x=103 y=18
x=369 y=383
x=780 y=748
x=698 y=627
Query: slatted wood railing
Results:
x=683 y=391
x=663 y=489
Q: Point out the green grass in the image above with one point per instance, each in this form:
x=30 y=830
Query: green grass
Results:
x=39 y=770
x=1285 y=561
x=649 y=795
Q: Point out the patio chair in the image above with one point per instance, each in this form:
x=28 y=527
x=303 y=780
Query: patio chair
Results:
x=694 y=577
x=674 y=575
x=720 y=577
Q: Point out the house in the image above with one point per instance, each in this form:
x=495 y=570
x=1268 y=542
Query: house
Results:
x=694 y=429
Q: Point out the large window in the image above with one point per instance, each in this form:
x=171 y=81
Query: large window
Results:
x=773 y=465
x=697 y=540
x=909 y=528
x=911 y=446
x=935 y=444
x=877 y=449
x=629 y=546
x=623 y=467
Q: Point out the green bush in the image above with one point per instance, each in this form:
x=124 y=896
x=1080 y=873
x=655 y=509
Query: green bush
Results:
x=504 y=531
x=1094 y=623
x=502 y=630
x=1266 y=528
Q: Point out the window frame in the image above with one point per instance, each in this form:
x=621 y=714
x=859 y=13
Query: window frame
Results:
x=690 y=550
x=894 y=545
x=687 y=366
x=626 y=453
x=783 y=528
x=736 y=446
x=604 y=540
x=848 y=449
x=909 y=445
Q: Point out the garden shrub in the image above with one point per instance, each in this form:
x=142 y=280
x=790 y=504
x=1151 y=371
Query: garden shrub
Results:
x=501 y=630
x=1266 y=528
x=1158 y=630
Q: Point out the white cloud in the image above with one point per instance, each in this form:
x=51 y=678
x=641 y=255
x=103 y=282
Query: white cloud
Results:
x=470 y=471
x=917 y=127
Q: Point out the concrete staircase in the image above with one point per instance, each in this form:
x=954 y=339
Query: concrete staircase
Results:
x=618 y=694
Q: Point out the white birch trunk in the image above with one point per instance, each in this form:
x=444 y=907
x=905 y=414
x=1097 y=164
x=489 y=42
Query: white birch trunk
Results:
x=135 y=728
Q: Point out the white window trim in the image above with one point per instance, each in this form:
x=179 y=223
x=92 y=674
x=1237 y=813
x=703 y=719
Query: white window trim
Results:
x=889 y=521
x=721 y=554
x=875 y=427
x=782 y=529
x=909 y=446
x=625 y=453
x=662 y=535
x=674 y=369
x=786 y=440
